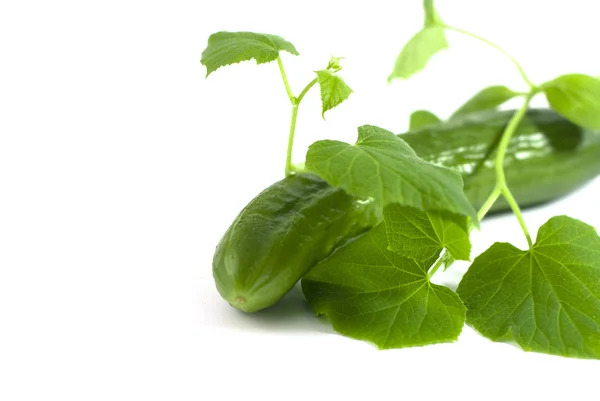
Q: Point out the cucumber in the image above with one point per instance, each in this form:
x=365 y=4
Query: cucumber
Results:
x=296 y=222
x=547 y=158
x=281 y=234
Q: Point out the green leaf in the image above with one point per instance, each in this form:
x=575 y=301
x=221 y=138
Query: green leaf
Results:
x=486 y=99
x=547 y=299
x=422 y=118
x=370 y=293
x=421 y=236
x=384 y=167
x=333 y=89
x=576 y=97
x=416 y=53
x=225 y=48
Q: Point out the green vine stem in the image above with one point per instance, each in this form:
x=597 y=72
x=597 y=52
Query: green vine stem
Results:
x=531 y=85
x=306 y=89
x=500 y=177
x=295 y=101
x=289 y=169
x=437 y=265
x=285 y=80
x=501 y=187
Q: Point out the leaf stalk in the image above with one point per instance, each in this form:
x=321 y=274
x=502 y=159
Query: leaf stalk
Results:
x=295 y=101
x=501 y=187
x=533 y=87
x=285 y=80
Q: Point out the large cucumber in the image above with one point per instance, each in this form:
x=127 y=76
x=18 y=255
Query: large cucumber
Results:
x=548 y=156
x=299 y=220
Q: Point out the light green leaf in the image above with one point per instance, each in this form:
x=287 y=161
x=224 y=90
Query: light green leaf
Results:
x=486 y=99
x=333 y=89
x=226 y=48
x=334 y=64
x=416 y=53
x=421 y=236
x=576 y=97
x=547 y=299
x=384 y=167
x=370 y=293
x=422 y=118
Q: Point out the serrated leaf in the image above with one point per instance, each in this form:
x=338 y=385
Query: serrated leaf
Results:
x=372 y=294
x=418 y=51
x=422 y=118
x=547 y=299
x=333 y=89
x=225 y=48
x=576 y=97
x=384 y=167
x=486 y=99
x=422 y=235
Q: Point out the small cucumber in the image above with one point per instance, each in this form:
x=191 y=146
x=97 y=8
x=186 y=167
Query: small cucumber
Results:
x=298 y=221
x=281 y=234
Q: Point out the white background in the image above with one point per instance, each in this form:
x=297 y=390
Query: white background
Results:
x=121 y=167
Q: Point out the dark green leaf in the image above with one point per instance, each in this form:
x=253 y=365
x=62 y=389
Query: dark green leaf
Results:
x=486 y=99
x=547 y=299
x=416 y=53
x=422 y=118
x=421 y=236
x=226 y=48
x=333 y=90
x=576 y=97
x=372 y=294
x=384 y=167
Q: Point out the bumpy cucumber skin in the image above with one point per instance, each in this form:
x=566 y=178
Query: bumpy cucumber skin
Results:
x=300 y=220
x=281 y=234
x=547 y=158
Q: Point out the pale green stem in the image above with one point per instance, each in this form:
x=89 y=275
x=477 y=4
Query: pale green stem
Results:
x=500 y=177
x=437 y=265
x=505 y=140
x=501 y=187
x=495 y=46
x=285 y=80
x=288 y=159
x=489 y=203
x=289 y=168
x=517 y=211
x=310 y=85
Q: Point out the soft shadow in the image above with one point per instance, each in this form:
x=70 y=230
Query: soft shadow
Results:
x=290 y=314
